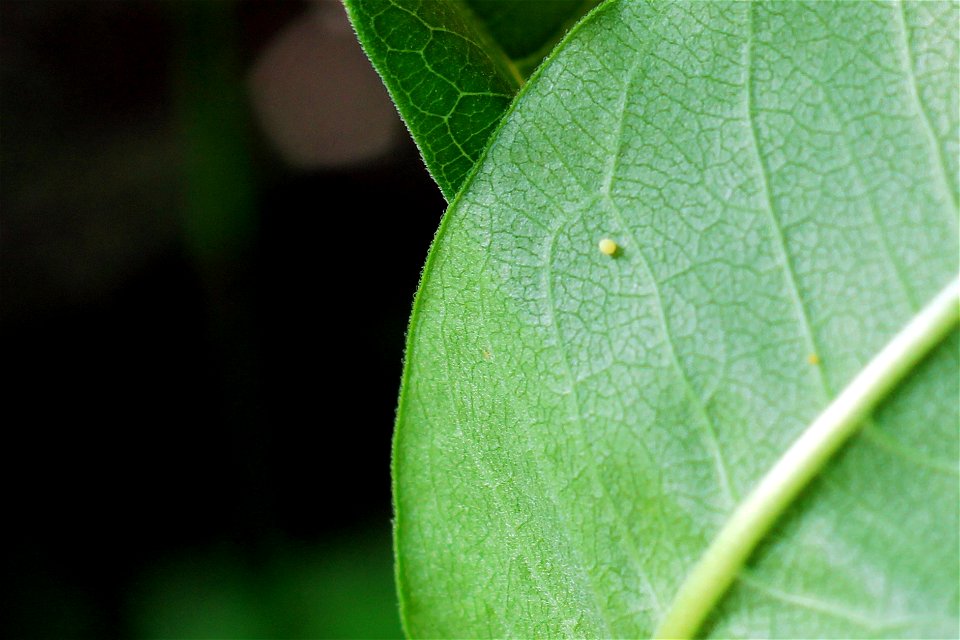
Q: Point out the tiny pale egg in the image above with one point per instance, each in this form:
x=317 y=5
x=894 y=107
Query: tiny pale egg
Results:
x=608 y=247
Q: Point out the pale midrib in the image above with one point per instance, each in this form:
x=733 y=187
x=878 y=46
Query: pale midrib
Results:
x=756 y=514
x=754 y=517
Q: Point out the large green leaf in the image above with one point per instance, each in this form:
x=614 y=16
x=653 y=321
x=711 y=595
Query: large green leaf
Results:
x=575 y=428
x=452 y=67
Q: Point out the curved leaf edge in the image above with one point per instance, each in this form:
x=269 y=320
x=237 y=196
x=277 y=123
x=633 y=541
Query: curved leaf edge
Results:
x=418 y=298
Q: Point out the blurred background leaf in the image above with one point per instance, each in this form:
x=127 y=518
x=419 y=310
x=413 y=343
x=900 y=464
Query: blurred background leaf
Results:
x=528 y=31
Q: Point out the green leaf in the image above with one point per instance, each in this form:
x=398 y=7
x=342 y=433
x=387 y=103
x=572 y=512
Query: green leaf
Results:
x=342 y=588
x=575 y=428
x=527 y=30
x=451 y=77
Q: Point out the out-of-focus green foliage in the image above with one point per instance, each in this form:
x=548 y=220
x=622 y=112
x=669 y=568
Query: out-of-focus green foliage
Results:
x=527 y=30
x=342 y=590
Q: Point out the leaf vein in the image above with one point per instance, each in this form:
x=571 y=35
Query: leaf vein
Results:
x=625 y=531
x=789 y=275
x=909 y=67
x=713 y=444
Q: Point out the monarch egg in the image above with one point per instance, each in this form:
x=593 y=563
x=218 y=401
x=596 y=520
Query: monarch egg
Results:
x=608 y=247
x=813 y=358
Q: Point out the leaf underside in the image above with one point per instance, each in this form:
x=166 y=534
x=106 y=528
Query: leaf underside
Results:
x=781 y=179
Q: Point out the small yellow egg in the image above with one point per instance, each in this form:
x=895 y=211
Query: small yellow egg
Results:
x=813 y=358
x=608 y=247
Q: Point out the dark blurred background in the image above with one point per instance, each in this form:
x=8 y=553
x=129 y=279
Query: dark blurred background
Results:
x=212 y=223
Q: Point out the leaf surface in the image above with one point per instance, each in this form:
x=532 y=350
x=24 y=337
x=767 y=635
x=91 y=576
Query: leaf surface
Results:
x=574 y=429
x=453 y=67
